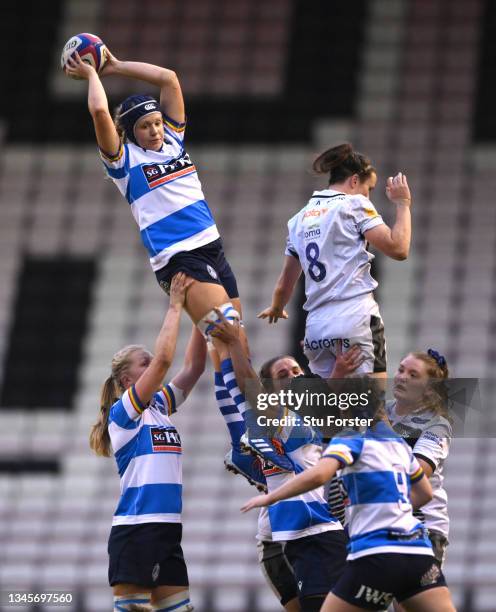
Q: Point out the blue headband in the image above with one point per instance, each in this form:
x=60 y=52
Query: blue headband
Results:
x=133 y=108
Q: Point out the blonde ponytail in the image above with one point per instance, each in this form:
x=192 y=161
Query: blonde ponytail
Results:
x=111 y=391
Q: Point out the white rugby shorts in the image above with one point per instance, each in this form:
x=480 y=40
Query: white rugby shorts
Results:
x=355 y=321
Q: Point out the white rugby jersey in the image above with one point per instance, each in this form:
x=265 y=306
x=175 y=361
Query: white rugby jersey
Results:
x=429 y=435
x=379 y=467
x=165 y=195
x=147 y=449
x=308 y=513
x=327 y=237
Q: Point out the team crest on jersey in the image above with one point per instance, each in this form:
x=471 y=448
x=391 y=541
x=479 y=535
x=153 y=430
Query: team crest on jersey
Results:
x=165 y=440
x=158 y=174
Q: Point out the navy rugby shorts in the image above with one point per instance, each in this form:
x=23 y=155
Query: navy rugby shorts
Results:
x=207 y=264
x=148 y=555
x=317 y=561
x=371 y=582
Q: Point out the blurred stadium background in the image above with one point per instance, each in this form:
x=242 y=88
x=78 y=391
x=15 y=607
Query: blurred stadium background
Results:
x=267 y=85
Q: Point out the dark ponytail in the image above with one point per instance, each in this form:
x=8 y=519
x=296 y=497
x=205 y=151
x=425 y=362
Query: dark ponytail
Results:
x=265 y=372
x=341 y=162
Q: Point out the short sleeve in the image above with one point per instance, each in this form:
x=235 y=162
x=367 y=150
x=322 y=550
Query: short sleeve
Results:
x=345 y=450
x=433 y=444
x=173 y=129
x=127 y=410
x=172 y=397
x=290 y=249
x=290 y=243
x=117 y=165
x=364 y=214
x=416 y=472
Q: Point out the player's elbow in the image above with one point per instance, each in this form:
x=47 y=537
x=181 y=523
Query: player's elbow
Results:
x=98 y=111
x=169 y=77
x=399 y=253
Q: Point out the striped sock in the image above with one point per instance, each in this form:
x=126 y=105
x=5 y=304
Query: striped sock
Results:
x=179 y=602
x=232 y=386
x=229 y=410
x=237 y=396
x=127 y=603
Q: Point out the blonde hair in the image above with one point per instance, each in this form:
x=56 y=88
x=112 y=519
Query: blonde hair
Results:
x=111 y=391
x=436 y=395
x=119 y=125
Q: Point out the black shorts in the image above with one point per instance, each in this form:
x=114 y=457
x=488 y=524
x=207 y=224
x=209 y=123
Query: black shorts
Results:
x=148 y=555
x=317 y=561
x=206 y=264
x=277 y=570
x=373 y=581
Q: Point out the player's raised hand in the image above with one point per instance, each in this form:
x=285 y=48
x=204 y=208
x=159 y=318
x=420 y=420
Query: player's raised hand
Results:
x=256 y=502
x=397 y=190
x=273 y=314
x=179 y=286
x=111 y=64
x=347 y=363
x=77 y=69
x=225 y=331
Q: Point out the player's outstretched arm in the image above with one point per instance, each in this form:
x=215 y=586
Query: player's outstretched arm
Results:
x=171 y=96
x=227 y=341
x=305 y=481
x=395 y=242
x=106 y=133
x=194 y=363
x=165 y=345
x=283 y=291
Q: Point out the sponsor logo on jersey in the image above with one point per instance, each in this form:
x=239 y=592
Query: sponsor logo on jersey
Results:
x=429 y=435
x=165 y=440
x=315 y=213
x=158 y=174
x=374 y=595
x=320 y=343
x=313 y=231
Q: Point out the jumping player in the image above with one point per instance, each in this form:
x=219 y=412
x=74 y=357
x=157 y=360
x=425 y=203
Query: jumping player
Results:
x=327 y=241
x=143 y=153
x=146 y=561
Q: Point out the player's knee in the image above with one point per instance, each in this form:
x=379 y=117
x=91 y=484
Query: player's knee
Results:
x=179 y=602
x=137 y=602
x=229 y=312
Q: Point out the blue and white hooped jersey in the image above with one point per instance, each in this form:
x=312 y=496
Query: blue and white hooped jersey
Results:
x=379 y=468
x=165 y=195
x=327 y=237
x=306 y=514
x=147 y=449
